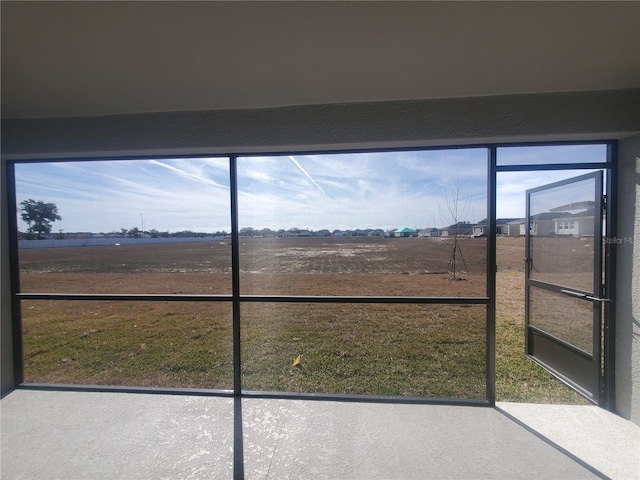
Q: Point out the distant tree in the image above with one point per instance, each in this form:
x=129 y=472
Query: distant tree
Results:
x=134 y=233
x=455 y=208
x=38 y=216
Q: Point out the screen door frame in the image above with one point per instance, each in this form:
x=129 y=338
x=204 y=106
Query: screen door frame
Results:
x=574 y=364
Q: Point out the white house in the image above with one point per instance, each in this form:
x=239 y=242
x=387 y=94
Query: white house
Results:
x=578 y=225
x=428 y=232
x=516 y=228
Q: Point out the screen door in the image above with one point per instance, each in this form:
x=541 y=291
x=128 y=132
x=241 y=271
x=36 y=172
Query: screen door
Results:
x=563 y=283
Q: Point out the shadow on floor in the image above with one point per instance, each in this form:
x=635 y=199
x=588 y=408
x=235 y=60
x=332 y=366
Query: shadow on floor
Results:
x=99 y=435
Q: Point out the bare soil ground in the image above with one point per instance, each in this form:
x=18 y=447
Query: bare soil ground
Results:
x=414 y=350
x=276 y=266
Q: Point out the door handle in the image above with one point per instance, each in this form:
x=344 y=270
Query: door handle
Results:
x=596 y=299
x=585 y=296
x=574 y=294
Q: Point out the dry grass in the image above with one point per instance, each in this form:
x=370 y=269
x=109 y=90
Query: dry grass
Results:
x=403 y=350
x=518 y=379
x=154 y=344
x=399 y=350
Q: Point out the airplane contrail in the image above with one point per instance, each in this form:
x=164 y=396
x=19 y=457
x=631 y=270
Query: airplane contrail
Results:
x=295 y=162
x=188 y=174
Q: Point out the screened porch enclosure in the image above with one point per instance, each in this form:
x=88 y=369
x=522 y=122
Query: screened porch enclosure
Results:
x=278 y=274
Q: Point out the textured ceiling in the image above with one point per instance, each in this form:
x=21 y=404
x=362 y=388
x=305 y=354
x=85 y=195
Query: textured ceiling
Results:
x=94 y=58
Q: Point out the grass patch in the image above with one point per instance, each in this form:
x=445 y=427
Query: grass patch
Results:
x=396 y=350
x=153 y=344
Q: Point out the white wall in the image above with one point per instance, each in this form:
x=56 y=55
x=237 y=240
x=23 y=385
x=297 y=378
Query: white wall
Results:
x=628 y=282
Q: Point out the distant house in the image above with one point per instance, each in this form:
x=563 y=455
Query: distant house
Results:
x=305 y=233
x=405 y=232
x=544 y=224
x=286 y=234
x=516 y=228
x=340 y=233
x=577 y=219
x=577 y=225
x=377 y=233
x=460 y=228
x=502 y=227
x=480 y=230
x=429 y=232
x=323 y=233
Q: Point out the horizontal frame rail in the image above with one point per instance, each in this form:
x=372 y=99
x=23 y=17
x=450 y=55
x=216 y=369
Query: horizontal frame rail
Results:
x=354 y=299
x=553 y=166
x=335 y=397
x=250 y=298
x=552 y=287
x=66 y=387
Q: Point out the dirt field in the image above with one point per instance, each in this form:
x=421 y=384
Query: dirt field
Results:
x=275 y=266
x=410 y=350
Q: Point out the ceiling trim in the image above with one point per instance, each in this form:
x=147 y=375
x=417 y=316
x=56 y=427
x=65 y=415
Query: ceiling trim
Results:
x=527 y=117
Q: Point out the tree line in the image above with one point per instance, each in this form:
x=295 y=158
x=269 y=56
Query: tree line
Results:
x=135 y=232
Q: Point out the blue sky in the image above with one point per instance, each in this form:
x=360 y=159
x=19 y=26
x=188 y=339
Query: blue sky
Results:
x=106 y=196
x=364 y=190
x=367 y=190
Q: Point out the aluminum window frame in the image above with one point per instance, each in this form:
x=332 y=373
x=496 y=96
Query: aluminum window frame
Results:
x=236 y=297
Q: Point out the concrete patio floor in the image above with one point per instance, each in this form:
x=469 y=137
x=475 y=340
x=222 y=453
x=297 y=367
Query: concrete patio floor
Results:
x=99 y=435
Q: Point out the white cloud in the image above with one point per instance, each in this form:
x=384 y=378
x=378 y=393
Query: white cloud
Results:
x=362 y=190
